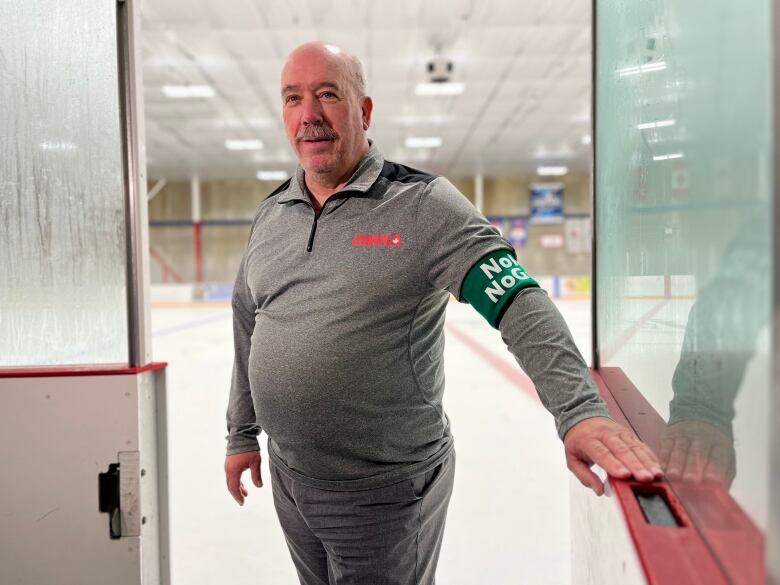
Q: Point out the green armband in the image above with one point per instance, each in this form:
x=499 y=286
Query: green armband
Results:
x=493 y=282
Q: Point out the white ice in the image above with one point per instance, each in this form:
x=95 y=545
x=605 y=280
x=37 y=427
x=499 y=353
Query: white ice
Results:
x=508 y=521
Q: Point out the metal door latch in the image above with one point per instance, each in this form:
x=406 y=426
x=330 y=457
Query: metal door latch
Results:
x=119 y=491
x=108 y=490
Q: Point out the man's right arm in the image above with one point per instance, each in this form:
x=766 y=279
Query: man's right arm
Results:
x=243 y=450
x=241 y=421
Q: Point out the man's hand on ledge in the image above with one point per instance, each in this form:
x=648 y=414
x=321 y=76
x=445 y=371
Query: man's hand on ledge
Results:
x=235 y=465
x=611 y=446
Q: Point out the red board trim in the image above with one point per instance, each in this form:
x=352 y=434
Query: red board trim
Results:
x=198 y=251
x=728 y=550
x=80 y=370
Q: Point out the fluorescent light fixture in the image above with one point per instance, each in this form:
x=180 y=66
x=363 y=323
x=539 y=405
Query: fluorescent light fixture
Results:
x=421 y=120
x=552 y=171
x=648 y=68
x=236 y=144
x=587 y=139
x=543 y=153
x=188 y=91
x=278 y=157
x=260 y=122
x=448 y=88
x=58 y=145
x=272 y=175
x=423 y=142
x=659 y=124
x=228 y=123
x=669 y=156
x=419 y=156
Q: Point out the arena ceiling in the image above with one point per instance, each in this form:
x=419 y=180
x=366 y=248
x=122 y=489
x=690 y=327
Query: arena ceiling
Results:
x=524 y=66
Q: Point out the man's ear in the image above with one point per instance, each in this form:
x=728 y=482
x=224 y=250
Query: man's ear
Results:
x=366 y=106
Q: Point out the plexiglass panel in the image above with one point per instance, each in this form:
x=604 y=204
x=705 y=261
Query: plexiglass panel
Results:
x=62 y=246
x=684 y=235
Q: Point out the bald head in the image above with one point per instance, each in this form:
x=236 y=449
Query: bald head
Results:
x=352 y=67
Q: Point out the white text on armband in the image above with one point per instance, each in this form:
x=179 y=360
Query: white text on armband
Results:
x=497 y=288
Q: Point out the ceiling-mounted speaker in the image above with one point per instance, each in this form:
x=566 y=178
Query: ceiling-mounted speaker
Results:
x=439 y=70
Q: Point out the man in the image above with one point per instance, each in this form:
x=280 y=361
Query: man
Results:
x=338 y=313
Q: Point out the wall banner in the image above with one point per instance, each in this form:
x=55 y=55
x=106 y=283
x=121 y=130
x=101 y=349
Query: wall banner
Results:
x=518 y=232
x=578 y=235
x=546 y=202
x=501 y=224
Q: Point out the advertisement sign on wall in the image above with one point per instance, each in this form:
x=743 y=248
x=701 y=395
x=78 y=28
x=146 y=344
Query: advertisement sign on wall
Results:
x=546 y=202
x=514 y=229
x=578 y=235
x=500 y=223
x=551 y=240
x=518 y=232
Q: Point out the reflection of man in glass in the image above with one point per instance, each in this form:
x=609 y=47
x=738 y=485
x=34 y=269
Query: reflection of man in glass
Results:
x=720 y=339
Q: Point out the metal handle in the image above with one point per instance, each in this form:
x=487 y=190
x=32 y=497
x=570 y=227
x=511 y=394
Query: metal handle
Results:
x=108 y=499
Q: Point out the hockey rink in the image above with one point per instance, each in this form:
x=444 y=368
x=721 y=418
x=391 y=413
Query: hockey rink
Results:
x=508 y=520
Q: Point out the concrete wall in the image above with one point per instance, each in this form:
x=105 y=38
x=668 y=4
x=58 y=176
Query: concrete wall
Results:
x=237 y=200
x=222 y=245
x=219 y=199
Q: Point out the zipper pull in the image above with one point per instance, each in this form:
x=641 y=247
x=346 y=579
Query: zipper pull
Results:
x=311 y=234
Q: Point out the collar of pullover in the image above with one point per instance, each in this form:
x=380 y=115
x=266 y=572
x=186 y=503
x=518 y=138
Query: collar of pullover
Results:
x=360 y=182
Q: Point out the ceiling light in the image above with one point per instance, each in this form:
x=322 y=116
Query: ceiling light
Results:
x=552 y=171
x=648 y=68
x=272 y=175
x=587 y=139
x=421 y=120
x=271 y=157
x=449 y=88
x=669 y=156
x=58 y=145
x=260 y=122
x=233 y=144
x=228 y=123
x=423 y=142
x=543 y=153
x=659 y=124
x=419 y=156
x=240 y=123
x=188 y=91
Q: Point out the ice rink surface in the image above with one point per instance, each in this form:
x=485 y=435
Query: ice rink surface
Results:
x=508 y=520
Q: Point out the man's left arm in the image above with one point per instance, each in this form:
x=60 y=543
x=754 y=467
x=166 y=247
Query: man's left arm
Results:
x=539 y=339
x=465 y=255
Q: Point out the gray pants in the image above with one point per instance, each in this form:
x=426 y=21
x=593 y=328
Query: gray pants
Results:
x=385 y=536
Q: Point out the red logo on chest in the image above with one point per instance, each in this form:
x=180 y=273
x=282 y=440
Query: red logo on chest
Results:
x=386 y=240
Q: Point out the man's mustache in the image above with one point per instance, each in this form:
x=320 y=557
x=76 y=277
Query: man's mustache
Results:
x=316 y=132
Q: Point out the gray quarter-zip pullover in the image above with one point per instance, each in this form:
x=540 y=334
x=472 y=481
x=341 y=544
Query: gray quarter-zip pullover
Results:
x=338 y=325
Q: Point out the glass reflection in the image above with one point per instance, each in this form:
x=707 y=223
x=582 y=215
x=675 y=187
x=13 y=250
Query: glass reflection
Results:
x=684 y=175
x=721 y=335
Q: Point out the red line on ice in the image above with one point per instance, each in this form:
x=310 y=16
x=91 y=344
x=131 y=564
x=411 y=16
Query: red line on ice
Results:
x=511 y=372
